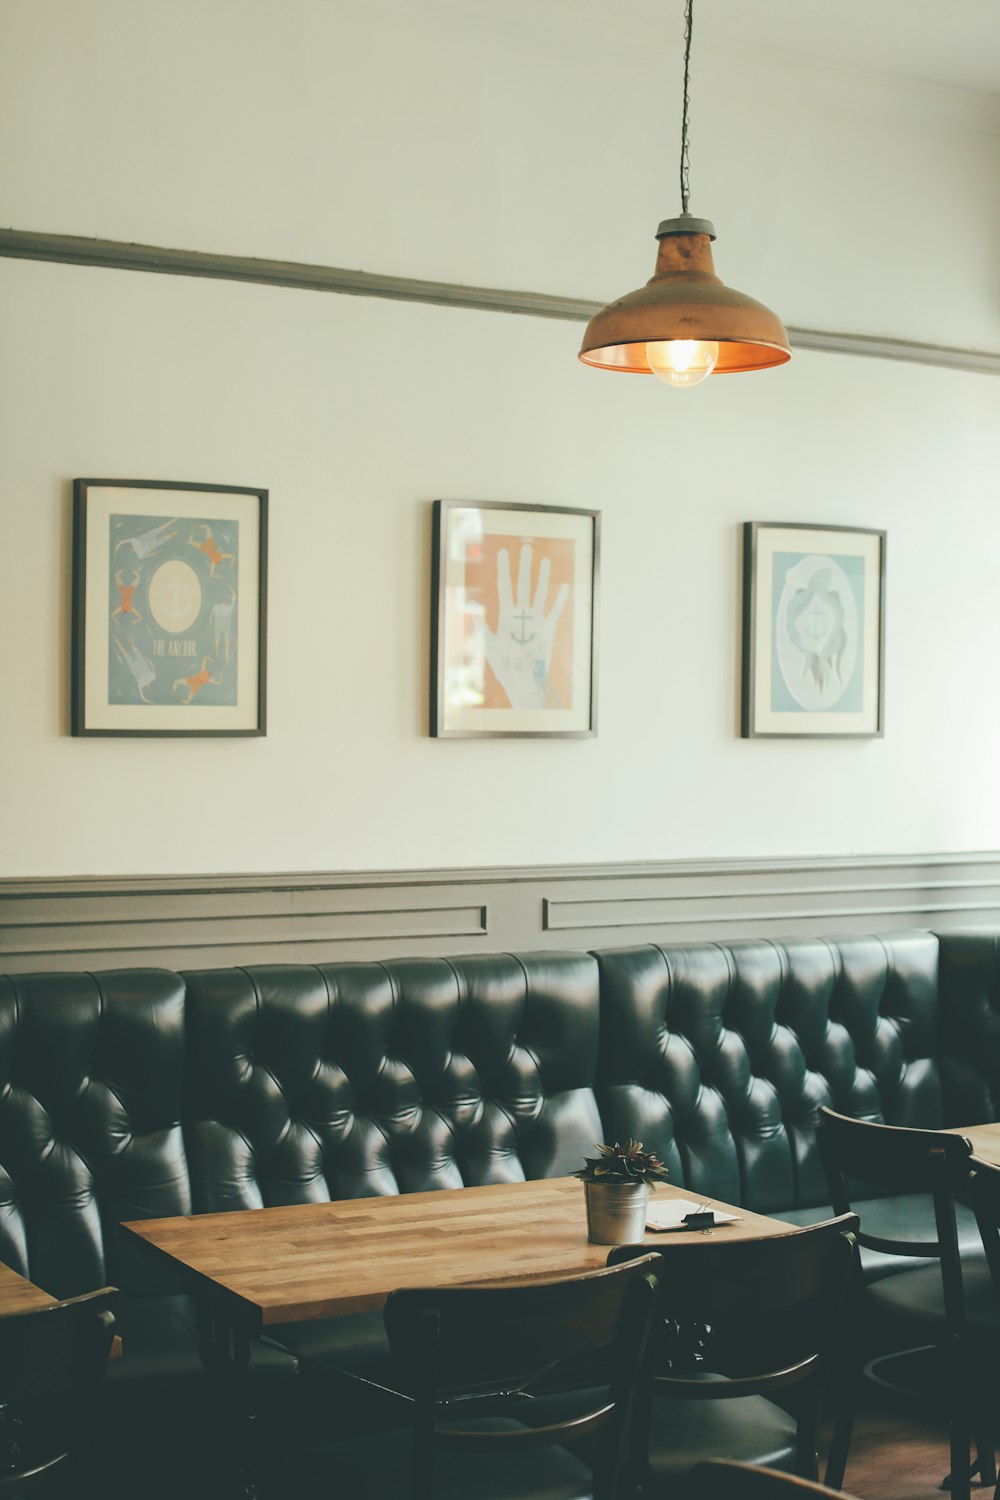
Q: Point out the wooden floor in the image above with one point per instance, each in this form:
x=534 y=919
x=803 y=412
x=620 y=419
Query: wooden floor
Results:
x=898 y=1455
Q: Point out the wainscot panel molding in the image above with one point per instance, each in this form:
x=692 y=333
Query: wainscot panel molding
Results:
x=197 y=921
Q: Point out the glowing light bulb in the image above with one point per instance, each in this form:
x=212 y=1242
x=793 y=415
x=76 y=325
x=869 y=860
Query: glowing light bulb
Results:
x=682 y=362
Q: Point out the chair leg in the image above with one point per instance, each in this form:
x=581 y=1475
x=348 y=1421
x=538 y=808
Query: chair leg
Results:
x=840 y=1443
x=981 y=1466
x=985 y=1452
x=971 y=1422
x=959 y=1481
x=806 y=1454
x=844 y=1384
x=981 y=1380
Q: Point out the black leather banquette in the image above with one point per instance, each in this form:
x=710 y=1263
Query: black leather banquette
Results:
x=147 y=1093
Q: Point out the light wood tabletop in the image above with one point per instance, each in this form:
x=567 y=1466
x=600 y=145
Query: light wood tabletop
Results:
x=985 y=1141
x=18 y=1295
x=280 y=1265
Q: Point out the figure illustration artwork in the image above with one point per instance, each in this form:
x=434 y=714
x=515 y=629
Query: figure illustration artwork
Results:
x=513 y=626
x=525 y=636
x=172 y=610
x=817 y=631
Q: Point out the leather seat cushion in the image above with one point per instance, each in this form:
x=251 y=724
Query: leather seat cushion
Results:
x=915 y=1298
x=375 y=1468
x=906 y=1216
x=682 y=1432
x=748 y=1428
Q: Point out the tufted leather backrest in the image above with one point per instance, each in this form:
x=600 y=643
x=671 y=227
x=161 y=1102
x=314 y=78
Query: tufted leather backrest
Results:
x=347 y=1080
x=300 y=1083
x=970 y=1026
x=91 y=1070
x=718 y=1057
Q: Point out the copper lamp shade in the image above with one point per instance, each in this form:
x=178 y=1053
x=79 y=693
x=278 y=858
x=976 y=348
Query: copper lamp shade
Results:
x=684 y=299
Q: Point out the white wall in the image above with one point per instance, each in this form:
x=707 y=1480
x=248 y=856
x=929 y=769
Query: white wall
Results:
x=467 y=142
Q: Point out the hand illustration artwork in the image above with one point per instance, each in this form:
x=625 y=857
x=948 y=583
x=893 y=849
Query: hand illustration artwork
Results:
x=520 y=652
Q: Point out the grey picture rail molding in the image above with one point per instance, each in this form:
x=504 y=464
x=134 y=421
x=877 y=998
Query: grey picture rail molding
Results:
x=185 y=921
x=120 y=255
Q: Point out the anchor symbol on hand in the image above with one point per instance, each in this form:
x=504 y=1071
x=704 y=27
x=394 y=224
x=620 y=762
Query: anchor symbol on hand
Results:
x=520 y=653
x=522 y=639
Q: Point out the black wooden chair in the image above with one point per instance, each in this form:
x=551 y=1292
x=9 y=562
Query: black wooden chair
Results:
x=724 y=1479
x=984 y=1196
x=948 y=1305
x=467 y=1360
x=748 y=1324
x=52 y=1361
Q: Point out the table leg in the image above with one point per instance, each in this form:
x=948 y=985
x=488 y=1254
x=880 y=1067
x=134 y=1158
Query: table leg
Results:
x=225 y=1355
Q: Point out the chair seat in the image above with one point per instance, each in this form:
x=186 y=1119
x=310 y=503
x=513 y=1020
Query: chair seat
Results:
x=379 y=1469
x=904 y=1216
x=684 y=1432
x=916 y=1297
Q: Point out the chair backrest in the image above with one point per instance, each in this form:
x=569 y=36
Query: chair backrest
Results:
x=51 y=1364
x=895 y=1159
x=725 y=1479
x=466 y=1353
x=770 y=1308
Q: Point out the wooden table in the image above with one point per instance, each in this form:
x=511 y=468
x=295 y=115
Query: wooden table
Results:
x=253 y=1269
x=264 y=1266
x=18 y=1295
x=985 y=1141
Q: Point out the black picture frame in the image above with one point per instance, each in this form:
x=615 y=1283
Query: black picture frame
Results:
x=837 y=689
x=133 y=669
x=550 y=668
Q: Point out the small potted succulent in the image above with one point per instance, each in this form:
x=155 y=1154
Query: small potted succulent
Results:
x=616 y=1185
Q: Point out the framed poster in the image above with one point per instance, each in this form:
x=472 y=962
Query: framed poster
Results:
x=813 y=631
x=514 y=619
x=169 y=608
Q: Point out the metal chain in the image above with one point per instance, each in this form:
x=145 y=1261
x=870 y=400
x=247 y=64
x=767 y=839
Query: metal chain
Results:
x=685 y=163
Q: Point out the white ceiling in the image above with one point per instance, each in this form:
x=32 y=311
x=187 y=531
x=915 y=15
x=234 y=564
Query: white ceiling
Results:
x=955 y=43
x=950 y=43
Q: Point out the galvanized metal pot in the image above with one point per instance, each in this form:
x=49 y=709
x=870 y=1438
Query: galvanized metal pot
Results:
x=616 y=1212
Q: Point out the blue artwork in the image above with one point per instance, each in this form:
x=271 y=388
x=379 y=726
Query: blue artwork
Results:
x=172 y=586
x=817 y=633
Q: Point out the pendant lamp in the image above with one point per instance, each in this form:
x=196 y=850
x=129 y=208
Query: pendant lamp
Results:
x=684 y=324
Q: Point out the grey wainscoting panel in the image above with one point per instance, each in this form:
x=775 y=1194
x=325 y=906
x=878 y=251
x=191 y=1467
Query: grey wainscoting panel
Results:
x=184 y=921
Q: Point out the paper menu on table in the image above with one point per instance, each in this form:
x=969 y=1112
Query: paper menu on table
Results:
x=671 y=1214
